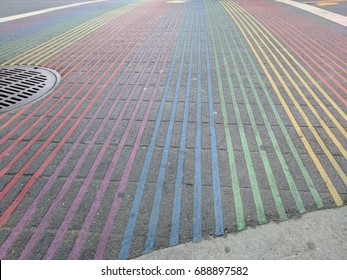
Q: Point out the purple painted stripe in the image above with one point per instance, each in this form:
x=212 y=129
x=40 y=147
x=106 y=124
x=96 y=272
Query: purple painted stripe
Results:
x=49 y=184
x=92 y=212
x=74 y=207
x=123 y=183
x=19 y=227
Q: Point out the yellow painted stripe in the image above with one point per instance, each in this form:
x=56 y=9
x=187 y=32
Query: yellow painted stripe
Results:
x=343 y=151
x=243 y=28
x=341 y=173
x=64 y=40
x=309 y=76
x=301 y=111
x=58 y=47
x=52 y=47
x=46 y=46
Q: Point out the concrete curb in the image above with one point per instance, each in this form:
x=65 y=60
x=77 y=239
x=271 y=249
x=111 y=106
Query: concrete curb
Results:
x=319 y=235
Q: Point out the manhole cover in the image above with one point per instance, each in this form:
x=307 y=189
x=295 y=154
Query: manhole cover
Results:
x=21 y=85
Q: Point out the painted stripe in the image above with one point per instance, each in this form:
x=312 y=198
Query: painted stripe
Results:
x=340 y=19
x=262 y=35
x=337 y=58
x=19 y=227
x=104 y=184
x=326 y=69
x=125 y=177
x=240 y=219
x=50 y=253
x=100 y=37
x=219 y=225
x=174 y=236
x=304 y=25
x=123 y=183
x=294 y=152
x=70 y=79
x=44 y=11
x=265 y=159
x=70 y=44
x=124 y=251
x=318 y=100
x=165 y=155
x=87 y=109
x=325 y=149
x=248 y=36
x=48 y=141
x=197 y=233
x=253 y=181
x=55 y=45
x=76 y=33
x=56 y=27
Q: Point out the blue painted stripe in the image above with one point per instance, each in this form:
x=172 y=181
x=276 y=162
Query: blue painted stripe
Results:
x=180 y=164
x=197 y=234
x=219 y=227
x=124 y=251
x=163 y=165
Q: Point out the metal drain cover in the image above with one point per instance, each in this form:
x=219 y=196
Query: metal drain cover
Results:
x=21 y=85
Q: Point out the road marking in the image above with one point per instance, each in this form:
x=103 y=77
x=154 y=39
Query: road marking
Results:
x=325 y=2
x=124 y=251
x=294 y=152
x=241 y=83
x=240 y=219
x=174 y=236
x=19 y=227
x=197 y=234
x=165 y=155
x=306 y=143
x=44 y=11
x=340 y=19
x=219 y=225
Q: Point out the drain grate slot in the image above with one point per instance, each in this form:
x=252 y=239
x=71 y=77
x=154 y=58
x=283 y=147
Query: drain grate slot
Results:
x=21 y=85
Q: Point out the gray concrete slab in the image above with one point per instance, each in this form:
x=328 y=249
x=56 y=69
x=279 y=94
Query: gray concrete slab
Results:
x=320 y=235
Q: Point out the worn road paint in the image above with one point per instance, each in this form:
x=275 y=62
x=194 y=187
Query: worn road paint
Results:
x=35 y=13
x=317 y=11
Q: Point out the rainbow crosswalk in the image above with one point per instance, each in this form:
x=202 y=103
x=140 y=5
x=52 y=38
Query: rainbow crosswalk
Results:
x=173 y=121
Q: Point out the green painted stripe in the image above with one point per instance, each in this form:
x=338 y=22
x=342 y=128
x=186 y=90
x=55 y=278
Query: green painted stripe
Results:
x=271 y=178
x=303 y=169
x=249 y=163
x=240 y=219
x=268 y=169
x=24 y=44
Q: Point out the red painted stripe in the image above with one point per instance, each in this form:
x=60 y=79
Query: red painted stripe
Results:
x=17 y=200
x=66 y=82
x=318 y=32
x=85 y=44
x=42 y=117
x=312 y=45
x=121 y=24
x=293 y=47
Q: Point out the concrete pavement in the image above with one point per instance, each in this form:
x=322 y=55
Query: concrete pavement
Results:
x=319 y=235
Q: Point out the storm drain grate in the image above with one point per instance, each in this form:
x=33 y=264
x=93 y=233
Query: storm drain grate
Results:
x=21 y=85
